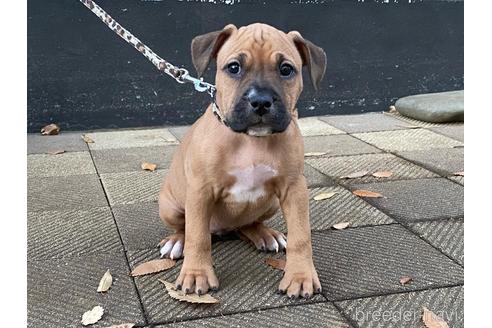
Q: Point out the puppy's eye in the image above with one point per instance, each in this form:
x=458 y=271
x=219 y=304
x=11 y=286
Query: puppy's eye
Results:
x=234 y=68
x=286 y=70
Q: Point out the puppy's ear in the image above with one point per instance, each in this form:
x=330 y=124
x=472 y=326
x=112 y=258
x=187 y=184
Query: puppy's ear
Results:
x=312 y=56
x=205 y=47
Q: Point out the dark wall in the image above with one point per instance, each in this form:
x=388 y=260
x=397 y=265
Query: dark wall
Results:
x=81 y=75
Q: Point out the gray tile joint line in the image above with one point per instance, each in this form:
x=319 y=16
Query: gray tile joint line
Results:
x=344 y=315
x=142 y=309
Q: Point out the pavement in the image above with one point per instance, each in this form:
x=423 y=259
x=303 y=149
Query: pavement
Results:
x=92 y=208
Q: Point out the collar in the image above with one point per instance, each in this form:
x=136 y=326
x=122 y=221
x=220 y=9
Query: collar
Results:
x=218 y=114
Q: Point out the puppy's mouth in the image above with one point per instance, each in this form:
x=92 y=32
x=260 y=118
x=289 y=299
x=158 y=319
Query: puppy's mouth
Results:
x=259 y=130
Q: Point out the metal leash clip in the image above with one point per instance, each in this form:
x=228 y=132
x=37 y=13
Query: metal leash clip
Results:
x=199 y=84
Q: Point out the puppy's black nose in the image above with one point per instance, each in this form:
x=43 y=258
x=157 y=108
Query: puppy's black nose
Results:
x=261 y=100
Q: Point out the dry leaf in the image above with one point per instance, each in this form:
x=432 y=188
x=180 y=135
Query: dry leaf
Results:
x=431 y=320
x=409 y=126
x=50 y=130
x=87 y=139
x=275 y=263
x=92 y=316
x=315 y=153
x=123 y=325
x=105 y=283
x=392 y=109
x=324 y=195
x=355 y=175
x=461 y=174
x=341 y=225
x=191 y=298
x=405 y=280
x=367 y=193
x=153 y=267
x=382 y=174
x=148 y=166
x=56 y=152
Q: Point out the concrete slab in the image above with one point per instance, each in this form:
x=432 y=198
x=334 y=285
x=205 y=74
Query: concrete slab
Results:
x=443 y=161
x=131 y=138
x=369 y=122
x=336 y=145
x=453 y=131
x=446 y=235
x=311 y=126
x=458 y=179
x=131 y=159
x=414 y=122
x=43 y=165
x=67 y=192
x=405 y=310
x=315 y=178
x=60 y=291
x=418 y=200
x=370 y=261
x=179 y=131
x=337 y=167
x=407 y=140
x=38 y=144
x=67 y=233
x=133 y=187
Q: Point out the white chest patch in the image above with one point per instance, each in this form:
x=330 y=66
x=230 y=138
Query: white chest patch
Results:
x=250 y=182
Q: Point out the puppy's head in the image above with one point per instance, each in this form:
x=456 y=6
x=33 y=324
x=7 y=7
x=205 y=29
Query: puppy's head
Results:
x=259 y=74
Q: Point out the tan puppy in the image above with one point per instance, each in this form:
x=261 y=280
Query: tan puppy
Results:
x=244 y=158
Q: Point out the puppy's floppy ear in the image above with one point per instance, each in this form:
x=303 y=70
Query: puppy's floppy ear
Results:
x=205 y=47
x=312 y=56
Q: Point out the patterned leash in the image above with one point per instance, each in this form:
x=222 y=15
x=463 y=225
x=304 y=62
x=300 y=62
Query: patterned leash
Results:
x=181 y=75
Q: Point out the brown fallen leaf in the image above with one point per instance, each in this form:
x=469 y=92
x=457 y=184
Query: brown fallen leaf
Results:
x=431 y=320
x=50 y=130
x=153 y=266
x=190 y=298
x=355 y=175
x=92 y=316
x=87 y=139
x=461 y=174
x=315 y=153
x=56 y=152
x=392 y=109
x=123 y=325
x=105 y=282
x=367 y=193
x=405 y=280
x=324 y=195
x=275 y=263
x=341 y=225
x=149 y=166
x=382 y=174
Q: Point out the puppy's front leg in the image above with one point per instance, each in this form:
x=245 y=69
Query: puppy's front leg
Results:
x=197 y=272
x=300 y=273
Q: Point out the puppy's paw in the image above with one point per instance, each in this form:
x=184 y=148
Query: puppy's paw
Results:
x=197 y=279
x=172 y=246
x=300 y=281
x=264 y=238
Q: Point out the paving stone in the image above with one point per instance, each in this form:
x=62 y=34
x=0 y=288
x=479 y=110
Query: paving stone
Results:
x=131 y=159
x=443 y=161
x=418 y=200
x=459 y=179
x=446 y=235
x=452 y=131
x=405 y=310
x=65 y=233
x=407 y=140
x=246 y=283
x=61 y=290
x=133 y=187
x=315 y=178
x=342 y=207
x=131 y=138
x=311 y=126
x=370 y=261
x=369 y=122
x=414 y=122
x=311 y=315
x=66 y=192
x=38 y=144
x=43 y=165
x=179 y=131
x=337 y=145
x=337 y=167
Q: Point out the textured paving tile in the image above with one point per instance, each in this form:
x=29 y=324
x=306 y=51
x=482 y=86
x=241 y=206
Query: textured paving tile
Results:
x=405 y=310
x=246 y=283
x=337 y=145
x=370 y=261
x=43 y=165
x=311 y=315
x=38 y=144
x=342 y=207
x=65 y=233
x=131 y=138
x=133 y=187
x=131 y=159
x=60 y=291
x=459 y=179
x=337 y=167
x=446 y=235
x=179 y=131
x=417 y=200
x=414 y=122
x=369 y=122
x=69 y=192
x=442 y=161
x=139 y=225
x=454 y=131
x=311 y=126
x=407 y=140
x=315 y=178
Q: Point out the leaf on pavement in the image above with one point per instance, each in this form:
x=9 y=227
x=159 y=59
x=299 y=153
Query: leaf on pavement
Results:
x=341 y=225
x=355 y=175
x=392 y=109
x=149 y=166
x=50 y=130
x=190 y=298
x=123 y=325
x=461 y=174
x=367 y=193
x=315 y=153
x=324 y=195
x=56 y=152
x=275 y=263
x=92 y=316
x=105 y=282
x=431 y=320
x=382 y=174
x=405 y=280
x=153 y=266
x=87 y=139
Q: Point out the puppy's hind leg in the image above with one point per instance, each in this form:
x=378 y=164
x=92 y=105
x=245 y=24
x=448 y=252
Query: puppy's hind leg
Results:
x=173 y=245
x=263 y=237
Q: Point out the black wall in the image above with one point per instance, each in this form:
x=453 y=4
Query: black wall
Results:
x=82 y=76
